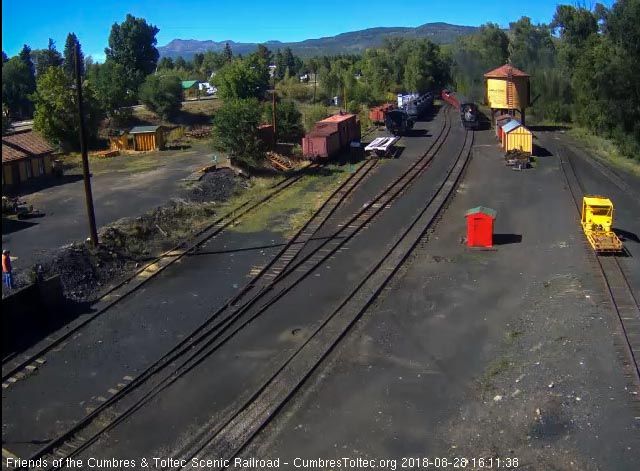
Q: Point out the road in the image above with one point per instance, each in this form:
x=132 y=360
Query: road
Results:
x=64 y=206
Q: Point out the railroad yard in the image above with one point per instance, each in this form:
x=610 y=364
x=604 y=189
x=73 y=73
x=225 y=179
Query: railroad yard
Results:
x=372 y=333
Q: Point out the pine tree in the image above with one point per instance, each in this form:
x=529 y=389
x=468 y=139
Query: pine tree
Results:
x=227 y=53
x=69 y=63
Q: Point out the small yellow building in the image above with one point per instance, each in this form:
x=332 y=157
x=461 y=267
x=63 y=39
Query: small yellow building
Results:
x=25 y=156
x=148 y=137
x=517 y=137
x=507 y=89
x=119 y=140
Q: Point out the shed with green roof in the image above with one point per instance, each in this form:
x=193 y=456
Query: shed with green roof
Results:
x=190 y=89
x=148 y=137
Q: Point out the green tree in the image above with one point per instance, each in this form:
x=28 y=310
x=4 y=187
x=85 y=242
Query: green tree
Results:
x=264 y=53
x=16 y=86
x=288 y=120
x=227 y=53
x=236 y=130
x=109 y=82
x=45 y=58
x=424 y=69
x=56 y=113
x=5 y=58
x=314 y=114
x=198 y=60
x=132 y=44
x=70 y=56
x=166 y=63
x=162 y=94
x=242 y=78
x=212 y=62
x=180 y=63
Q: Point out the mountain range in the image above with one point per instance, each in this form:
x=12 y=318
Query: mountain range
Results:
x=354 y=42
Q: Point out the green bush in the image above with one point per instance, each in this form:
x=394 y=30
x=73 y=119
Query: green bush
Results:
x=162 y=94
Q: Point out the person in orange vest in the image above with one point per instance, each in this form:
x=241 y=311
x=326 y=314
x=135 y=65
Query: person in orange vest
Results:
x=7 y=274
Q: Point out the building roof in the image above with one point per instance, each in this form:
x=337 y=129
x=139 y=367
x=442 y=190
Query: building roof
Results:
x=22 y=145
x=144 y=129
x=188 y=83
x=337 y=118
x=482 y=209
x=503 y=72
x=511 y=125
x=500 y=117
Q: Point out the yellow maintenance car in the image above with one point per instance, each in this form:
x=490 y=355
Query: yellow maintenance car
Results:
x=597 y=219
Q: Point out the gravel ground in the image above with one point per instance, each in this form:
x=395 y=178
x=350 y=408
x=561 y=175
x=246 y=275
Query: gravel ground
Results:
x=502 y=353
x=129 y=242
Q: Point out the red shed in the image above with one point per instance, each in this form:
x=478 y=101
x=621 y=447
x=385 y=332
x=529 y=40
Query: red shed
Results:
x=480 y=226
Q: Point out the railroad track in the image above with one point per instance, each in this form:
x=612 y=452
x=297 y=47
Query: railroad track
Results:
x=618 y=288
x=14 y=366
x=229 y=320
x=235 y=434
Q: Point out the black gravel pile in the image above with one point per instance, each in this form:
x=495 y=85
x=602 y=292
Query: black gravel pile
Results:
x=219 y=185
x=85 y=271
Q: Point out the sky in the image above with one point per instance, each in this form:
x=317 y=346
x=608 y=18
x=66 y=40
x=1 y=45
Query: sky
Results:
x=36 y=21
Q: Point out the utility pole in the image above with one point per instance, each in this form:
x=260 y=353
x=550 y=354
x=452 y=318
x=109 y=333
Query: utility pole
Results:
x=274 y=113
x=315 y=84
x=93 y=232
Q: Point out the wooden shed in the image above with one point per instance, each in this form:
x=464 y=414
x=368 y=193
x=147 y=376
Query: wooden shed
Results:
x=119 y=140
x=480 y=226
x=190 y=89
x=148 y=137
x=517 y=137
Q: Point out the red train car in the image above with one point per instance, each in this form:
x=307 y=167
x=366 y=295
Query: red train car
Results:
x=449 y=98
x=331 y=135
x=321 y=143
x=376 y=114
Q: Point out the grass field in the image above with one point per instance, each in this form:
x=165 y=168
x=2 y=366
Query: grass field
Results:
x=288 y=211
x=605 y=149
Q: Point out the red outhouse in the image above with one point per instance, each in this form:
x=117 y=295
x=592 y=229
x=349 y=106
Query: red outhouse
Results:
x=480 y=226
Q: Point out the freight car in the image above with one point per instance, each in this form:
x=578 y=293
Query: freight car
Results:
x=398 y=122
x=331 y=136
x=447 y=96
x=469 y=115
x=376 y=115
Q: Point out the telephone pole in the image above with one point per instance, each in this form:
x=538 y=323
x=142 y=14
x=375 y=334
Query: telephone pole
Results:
x=93 y=232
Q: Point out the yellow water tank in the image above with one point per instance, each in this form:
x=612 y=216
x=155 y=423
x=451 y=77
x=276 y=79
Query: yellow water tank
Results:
x=507 y=88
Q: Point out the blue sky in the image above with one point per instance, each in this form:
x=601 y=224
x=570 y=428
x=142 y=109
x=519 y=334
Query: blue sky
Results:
x=36 y=21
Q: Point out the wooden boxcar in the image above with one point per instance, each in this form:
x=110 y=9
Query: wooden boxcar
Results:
x=330 y=136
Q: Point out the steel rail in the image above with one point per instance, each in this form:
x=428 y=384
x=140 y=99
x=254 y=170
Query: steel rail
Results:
x=616 y=282
x=187 y=345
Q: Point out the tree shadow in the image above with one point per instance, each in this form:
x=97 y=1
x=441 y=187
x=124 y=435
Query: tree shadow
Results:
x=33 y=186
x=505 y=239
x=14 y=225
